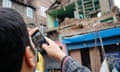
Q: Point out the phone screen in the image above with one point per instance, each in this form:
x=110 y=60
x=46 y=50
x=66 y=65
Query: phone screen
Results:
x=38 y=40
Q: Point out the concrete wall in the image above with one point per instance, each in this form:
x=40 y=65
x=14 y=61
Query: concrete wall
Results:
x=50 y=21
x=38 y=4
x=106 y=6
x=0 y=3
x=22 y=10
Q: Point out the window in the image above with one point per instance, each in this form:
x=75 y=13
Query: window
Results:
x=42 y=11
x=7 y=3
x=29 y=12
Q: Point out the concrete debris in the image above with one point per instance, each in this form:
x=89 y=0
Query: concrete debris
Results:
x=73 y=24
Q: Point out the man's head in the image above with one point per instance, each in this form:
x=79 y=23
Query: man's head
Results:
x=15 y=48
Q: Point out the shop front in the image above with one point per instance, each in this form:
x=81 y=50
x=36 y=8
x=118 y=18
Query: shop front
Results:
x=92 y=48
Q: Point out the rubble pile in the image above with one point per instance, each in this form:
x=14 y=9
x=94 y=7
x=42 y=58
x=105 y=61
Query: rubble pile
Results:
x=72 y=24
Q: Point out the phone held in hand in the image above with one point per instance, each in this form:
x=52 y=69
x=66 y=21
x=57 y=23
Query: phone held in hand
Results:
x=39 y=39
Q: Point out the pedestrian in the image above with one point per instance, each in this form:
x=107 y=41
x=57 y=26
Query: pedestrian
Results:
x=18 y=53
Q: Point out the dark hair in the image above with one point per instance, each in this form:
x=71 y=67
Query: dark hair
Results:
x=13 y=40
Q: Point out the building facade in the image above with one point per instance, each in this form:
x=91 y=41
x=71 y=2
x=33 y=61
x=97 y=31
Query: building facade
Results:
x=106 y=6
x=90 y=49
x=33 y=11
x=27 y=12
x=82 y=43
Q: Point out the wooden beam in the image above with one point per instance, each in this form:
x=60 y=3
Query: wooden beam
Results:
x=76 y=54
x=95 y=59
x=91 y=29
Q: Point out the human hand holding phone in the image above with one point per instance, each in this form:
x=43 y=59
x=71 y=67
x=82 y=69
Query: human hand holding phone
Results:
x=53 y=50
x=38 y=39
x=47 y=46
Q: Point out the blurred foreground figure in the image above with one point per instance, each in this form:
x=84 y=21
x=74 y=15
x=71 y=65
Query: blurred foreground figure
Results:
x=17 y=51
x=19 y=54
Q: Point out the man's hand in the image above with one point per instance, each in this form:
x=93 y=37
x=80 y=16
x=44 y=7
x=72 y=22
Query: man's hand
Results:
x=31 y=31
x=53 y=49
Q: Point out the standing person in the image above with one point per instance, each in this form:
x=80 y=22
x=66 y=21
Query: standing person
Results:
x=18 y=53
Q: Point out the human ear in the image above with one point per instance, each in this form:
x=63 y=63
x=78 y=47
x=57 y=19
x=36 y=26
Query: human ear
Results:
x=29 y=57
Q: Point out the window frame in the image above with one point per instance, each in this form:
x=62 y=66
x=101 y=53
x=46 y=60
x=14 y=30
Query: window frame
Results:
x=29 y=12
x=7 y=3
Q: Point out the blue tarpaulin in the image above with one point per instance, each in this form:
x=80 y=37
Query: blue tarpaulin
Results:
x=109 y=36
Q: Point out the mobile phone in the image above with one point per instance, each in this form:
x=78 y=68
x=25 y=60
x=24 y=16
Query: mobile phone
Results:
x=39 y=39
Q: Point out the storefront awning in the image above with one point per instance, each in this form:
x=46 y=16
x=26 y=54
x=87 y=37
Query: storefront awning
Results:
x=109 y=36
x=91 y=36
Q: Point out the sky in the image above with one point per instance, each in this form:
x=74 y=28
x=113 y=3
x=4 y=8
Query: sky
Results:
x=117 y=3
